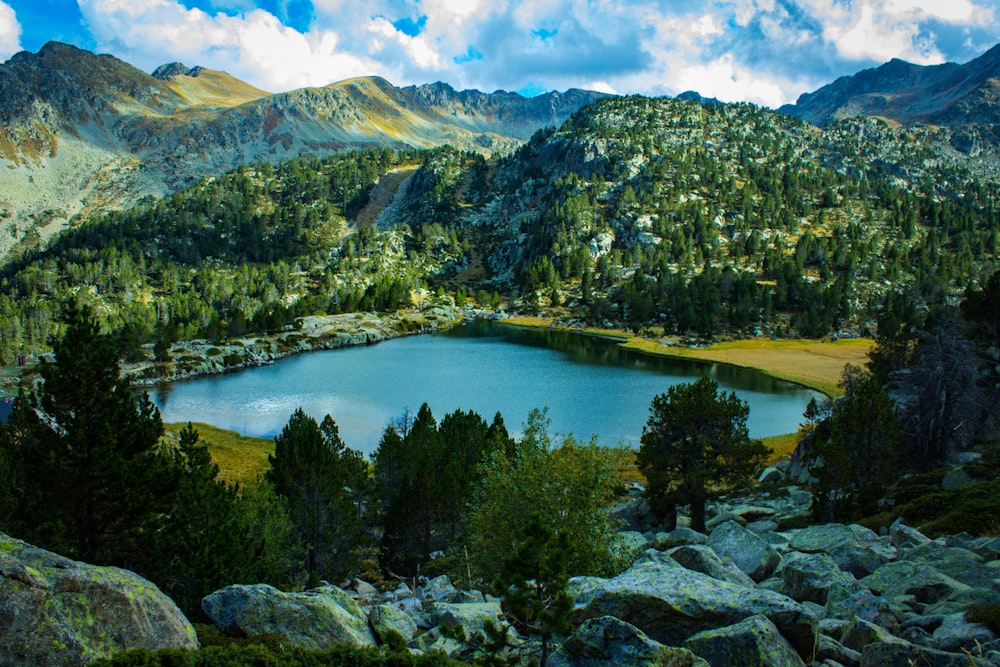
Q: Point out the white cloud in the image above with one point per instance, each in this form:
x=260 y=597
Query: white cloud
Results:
x=729 y=82
x=256 y=46
x=761 y=50
x=10 y=32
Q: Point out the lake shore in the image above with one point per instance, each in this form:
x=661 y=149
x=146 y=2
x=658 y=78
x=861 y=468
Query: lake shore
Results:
x=814 y=364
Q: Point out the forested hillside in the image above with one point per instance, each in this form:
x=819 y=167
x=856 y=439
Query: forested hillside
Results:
x=659 y=214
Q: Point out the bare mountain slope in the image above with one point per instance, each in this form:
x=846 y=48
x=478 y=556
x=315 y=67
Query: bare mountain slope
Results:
x=80 y=131
x=948 y=94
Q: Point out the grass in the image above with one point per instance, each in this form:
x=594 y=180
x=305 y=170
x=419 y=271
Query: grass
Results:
x=782 y=446
x=240 y=458
x=814 y=364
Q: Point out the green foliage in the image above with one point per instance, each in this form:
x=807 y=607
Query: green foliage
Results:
x=85 y=452
x=859 y=458
x=313 y=470
x=570 y=487
x=974 y=508
x=696 y=446
x=533 y=580
x=424 y=475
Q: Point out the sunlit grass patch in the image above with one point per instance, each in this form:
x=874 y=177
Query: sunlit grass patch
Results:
x=240 y=458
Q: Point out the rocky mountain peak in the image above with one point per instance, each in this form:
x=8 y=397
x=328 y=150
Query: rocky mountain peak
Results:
x=171 y=70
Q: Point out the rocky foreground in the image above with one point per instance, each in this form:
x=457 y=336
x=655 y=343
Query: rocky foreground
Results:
x=749 y=592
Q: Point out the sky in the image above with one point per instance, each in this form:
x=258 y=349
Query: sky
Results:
x=763 y=51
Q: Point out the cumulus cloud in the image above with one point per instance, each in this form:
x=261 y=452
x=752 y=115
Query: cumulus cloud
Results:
x=10 y=32
x=766 y=51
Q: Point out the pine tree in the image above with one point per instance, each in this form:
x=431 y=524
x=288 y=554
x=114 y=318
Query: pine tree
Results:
x=695 y=446
x=87 y=452
x=311 y=468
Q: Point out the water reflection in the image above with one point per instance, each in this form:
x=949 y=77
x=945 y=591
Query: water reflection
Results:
x=589 y=384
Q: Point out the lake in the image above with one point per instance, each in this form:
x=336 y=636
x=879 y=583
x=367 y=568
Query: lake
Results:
x=589 y=385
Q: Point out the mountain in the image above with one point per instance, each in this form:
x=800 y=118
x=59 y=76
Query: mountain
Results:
x=908 y=94
x=81 y=132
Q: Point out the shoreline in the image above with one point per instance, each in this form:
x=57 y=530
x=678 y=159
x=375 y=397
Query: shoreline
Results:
x=812 y=364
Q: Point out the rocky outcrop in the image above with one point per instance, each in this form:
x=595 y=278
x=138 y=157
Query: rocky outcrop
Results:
x=57 y=611
x=606 y=640
x=750 y=643
x=315 y=619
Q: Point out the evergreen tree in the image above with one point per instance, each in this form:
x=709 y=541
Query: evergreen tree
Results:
x=859 y=456
x=533 y=581
x=694 y=447
x=311 y=468
x=86 y=452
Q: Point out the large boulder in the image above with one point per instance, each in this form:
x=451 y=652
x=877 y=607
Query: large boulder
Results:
x=607 y=640
x=671 y=603
x=316 y=619
x=808 y=577
x=748 y=550
x=471 y=617
x=923 y=582
x=385 y=620
x=828 y=536
x=754 y=642
x=701 y=558
x=57 y=611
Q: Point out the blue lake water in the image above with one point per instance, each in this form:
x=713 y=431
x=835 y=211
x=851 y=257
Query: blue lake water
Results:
x=589 y=385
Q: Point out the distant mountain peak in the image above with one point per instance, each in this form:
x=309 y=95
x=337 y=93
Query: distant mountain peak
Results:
x=170 y=70
x=945 y=94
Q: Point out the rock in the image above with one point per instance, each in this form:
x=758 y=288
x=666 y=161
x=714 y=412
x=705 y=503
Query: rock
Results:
x=827 y=537
x=364 y=589
x=723 y=516
x=762 y=527
x=959 y=564
x=808 y=577
x=385 y=619
x=679 y=537
x=314 y=619
x=672 y=603
x=900 y=578
x=438 y=588
x=57 y=611
x=582 y=589
x=956 y=478
x=634 y=514
x=434 y=640
x=862 y=560
x=751 y=553
x=904 y=537
x=754 y=642
x=830 y=649
x=849 y=603
x=630 y=544
x=471 y=617
x=860 y=633
x=899 y=652
x=956 y=634
x=701 y=558
x=609 y=641
x=771 y=475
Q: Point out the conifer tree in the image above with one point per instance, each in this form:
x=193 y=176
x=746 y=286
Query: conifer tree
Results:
x=311 y=468
x=86 y=452
x=695 y=446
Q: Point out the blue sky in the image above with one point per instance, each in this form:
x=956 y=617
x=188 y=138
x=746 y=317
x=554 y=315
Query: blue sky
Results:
x=763 y=51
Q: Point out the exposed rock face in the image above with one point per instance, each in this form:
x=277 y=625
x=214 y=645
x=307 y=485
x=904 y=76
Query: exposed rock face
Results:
x=754 y=642
x=315 y=619
x=946 y=94
x=609 y=641
x=91 y=127
x=57 y=611
x=747 y=550
x=671 y=603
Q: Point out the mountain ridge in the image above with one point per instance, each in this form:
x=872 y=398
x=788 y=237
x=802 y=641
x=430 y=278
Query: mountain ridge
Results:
x=82 y=132
x=947 y=94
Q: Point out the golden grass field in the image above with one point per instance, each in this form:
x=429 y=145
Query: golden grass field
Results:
x=814 y=364
x=240 y=458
